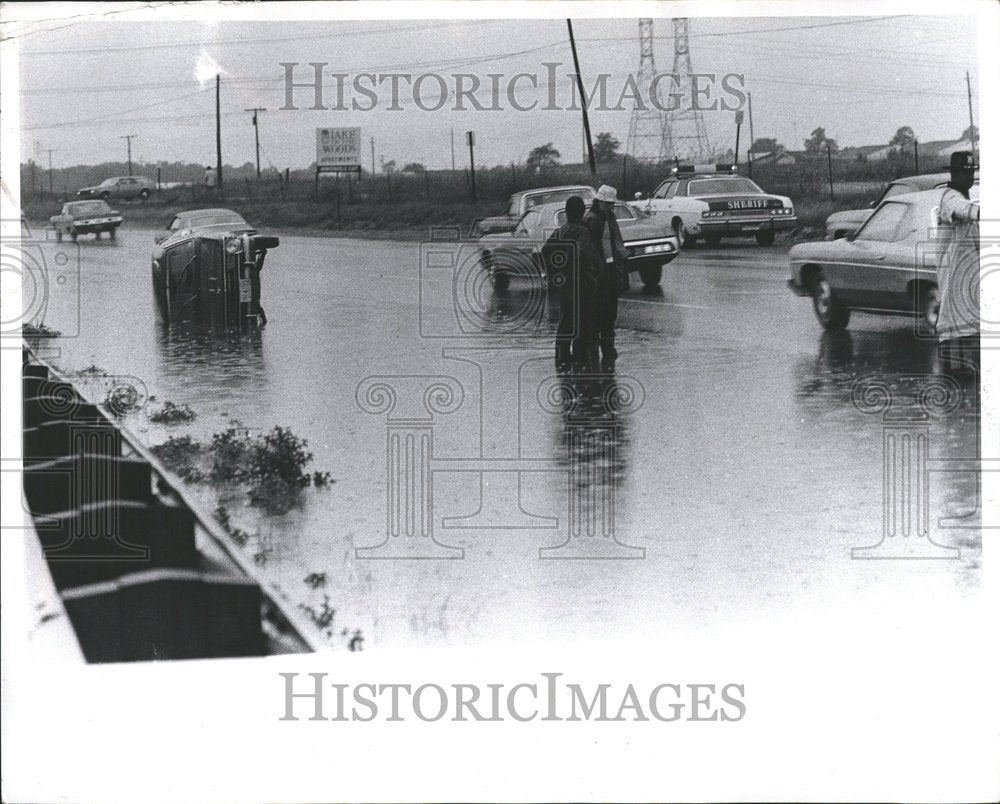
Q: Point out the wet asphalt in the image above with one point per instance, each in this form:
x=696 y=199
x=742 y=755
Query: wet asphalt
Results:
x=730 y=467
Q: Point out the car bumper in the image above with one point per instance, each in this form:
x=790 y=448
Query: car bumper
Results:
x=96 y=226
x=747 y=226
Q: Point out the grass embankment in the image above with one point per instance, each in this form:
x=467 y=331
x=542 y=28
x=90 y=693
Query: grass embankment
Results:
x=370 y=216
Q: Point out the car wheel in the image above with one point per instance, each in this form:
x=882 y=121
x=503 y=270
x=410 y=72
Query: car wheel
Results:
x=97 y=235
x=105 y=195
x=684 y=240
x=113 y=232
x=830 y=311
x=651 y=275
x=930 y=307
x=765 y=237
x=73 y=234
x=144 y=194
x=713 y=240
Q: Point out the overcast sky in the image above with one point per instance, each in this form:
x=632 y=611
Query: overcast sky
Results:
x=86 y=84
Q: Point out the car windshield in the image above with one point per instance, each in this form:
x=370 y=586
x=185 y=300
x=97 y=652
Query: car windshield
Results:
x=723 y=186
x=896 y=189
x=87 y=208
x=623 y=212
x=108 y=183
x=557 y=196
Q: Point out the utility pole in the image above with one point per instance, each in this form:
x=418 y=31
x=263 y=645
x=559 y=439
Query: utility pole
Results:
x=583 y=100
x=750 y=150
x=256 y=134
x=472 y=163
x=218 y=135
x=50 y=151
x=972 y=126
x=453 y=150
x=128 y=138
x=373 y=159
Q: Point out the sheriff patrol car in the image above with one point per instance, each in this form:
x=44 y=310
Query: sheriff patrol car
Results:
x=713 y=201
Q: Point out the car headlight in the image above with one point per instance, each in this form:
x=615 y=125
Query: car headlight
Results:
x=234 y=245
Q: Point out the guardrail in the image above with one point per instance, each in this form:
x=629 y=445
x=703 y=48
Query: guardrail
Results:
x=140 y=571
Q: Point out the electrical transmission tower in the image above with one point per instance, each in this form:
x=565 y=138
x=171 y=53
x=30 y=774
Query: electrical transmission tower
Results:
x=648 y=136
x=685 y=131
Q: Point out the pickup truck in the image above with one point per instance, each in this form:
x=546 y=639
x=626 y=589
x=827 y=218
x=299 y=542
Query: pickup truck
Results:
x=86 y=217
x=527 y=199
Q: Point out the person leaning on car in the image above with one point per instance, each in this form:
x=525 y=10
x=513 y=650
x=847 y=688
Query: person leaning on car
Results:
x=958 y=268
x=609 y=261
x=570 y=265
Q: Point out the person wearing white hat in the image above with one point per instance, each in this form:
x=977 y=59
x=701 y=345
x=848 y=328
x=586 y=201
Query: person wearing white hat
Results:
x=609 y=261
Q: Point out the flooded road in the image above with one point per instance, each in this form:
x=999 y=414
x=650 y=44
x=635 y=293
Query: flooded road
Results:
x=728 y=470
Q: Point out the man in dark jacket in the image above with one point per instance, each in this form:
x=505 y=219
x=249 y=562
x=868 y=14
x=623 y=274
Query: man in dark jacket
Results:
x=612 y=273
x=570 y=265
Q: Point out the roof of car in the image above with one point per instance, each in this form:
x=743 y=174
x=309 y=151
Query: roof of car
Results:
x=209 y=211
x=556 y=189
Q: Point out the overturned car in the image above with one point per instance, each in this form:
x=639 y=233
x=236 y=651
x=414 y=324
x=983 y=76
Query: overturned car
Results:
x=211 y=278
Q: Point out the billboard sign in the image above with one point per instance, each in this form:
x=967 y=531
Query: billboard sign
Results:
x=338 y=149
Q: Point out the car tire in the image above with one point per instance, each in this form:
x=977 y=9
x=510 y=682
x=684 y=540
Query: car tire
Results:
x=765 y=237
x=651 y=275
x=73 y=234
x=713 y=240
x=830 y=311
x=113 y=232
x=929 y=306
x=684 y=240
x=144 y=194
x=97 y=235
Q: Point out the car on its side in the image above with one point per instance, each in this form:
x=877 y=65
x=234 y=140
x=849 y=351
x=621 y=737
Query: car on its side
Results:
x=518 y=253
x=205 y=220
x=526 y=199
x=120 y=187
x=841 y=224
x=211 y=278
x=887 y=267
x=714 y=201
x=86 y=217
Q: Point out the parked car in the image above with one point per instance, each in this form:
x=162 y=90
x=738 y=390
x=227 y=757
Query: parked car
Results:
x=887 y=267
x=86 y=217
x=526 y=199
x=713 y=201
x=841 y=224
x=205 y=220
x=120 y=187
x=518 y=252
x=211 y=278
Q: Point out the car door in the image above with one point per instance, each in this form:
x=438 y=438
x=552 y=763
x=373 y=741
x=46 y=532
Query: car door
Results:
x=871 y=272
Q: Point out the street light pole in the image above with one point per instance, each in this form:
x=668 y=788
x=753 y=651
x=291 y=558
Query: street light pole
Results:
x=218 y=135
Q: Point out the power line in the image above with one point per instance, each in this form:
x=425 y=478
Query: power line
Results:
x=381 y=31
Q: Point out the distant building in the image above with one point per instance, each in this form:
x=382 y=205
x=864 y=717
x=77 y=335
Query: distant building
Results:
x=778 y=157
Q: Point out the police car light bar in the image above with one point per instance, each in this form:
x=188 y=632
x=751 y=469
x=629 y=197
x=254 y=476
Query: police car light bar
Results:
x=717 y=168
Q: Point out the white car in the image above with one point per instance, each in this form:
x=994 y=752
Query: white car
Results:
x=713 y=201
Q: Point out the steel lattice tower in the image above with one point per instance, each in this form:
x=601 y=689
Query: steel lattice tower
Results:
x=647 y=129
x=686 y=138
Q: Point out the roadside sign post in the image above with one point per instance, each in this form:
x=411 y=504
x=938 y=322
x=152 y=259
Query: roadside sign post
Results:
x=829 y=167
x=338 y=150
